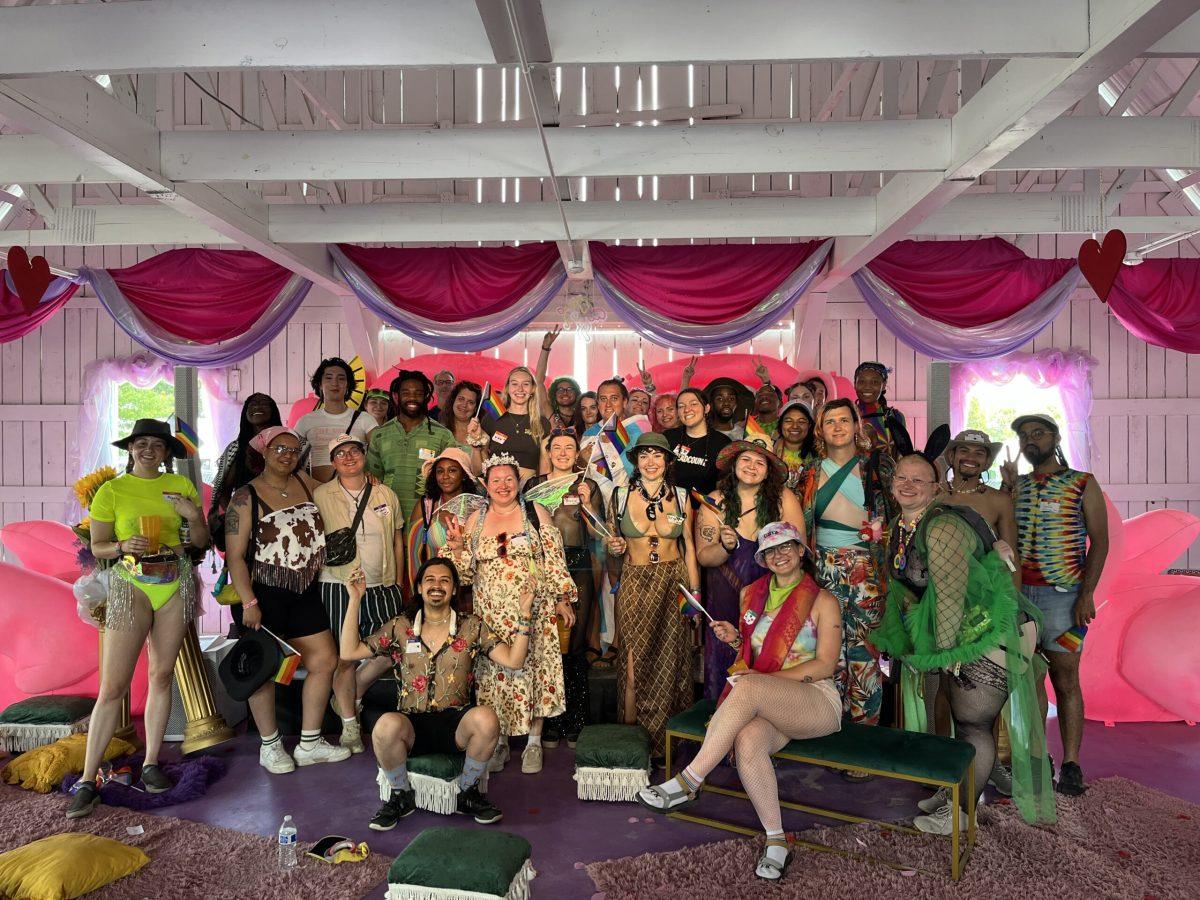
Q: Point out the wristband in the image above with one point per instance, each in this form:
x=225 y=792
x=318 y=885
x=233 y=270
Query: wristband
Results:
x=249 y=604
x=481 y=441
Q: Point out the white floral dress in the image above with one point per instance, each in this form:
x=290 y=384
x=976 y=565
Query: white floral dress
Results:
x=499 y=571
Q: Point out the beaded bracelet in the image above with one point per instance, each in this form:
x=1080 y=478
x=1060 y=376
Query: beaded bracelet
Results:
x=522 y=621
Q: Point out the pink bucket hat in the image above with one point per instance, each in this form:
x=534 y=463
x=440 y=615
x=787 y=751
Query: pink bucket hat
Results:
x=773 y=535
x=262 y=440
x=456 y=455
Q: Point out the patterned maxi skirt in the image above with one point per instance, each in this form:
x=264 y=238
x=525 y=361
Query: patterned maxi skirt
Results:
x=850 y=574
x=658 y=636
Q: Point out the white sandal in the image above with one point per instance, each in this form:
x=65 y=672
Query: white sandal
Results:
x=773 y=866
x=669 y=801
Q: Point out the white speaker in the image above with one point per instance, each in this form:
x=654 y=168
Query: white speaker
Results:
x=213 y=648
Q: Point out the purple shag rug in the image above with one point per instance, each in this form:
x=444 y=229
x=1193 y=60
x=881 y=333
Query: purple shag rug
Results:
x=192 y=778
x=189 y=859
x=1120 y=839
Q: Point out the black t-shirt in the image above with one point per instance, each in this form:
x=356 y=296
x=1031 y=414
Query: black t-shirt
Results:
x=515 y=438
x=696 y=458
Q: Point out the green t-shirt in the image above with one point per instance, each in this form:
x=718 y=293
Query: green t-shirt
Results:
x=395 y=457
x=126 y=498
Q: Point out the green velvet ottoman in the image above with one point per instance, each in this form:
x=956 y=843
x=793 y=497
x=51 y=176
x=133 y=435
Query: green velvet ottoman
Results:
x=434 y=779
x=463 y=864
x=612 y=762
x=37 y=721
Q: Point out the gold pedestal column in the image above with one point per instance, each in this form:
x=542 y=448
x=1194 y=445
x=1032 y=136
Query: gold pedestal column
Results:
x=125 y=730
x=205 y=726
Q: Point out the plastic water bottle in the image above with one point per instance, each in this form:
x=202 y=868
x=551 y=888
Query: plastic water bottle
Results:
x=287 y=844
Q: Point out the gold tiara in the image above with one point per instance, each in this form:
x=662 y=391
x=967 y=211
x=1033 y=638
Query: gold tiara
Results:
x=500 y=459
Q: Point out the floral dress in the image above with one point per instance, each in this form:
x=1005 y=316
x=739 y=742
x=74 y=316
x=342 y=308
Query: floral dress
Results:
x=499 y=570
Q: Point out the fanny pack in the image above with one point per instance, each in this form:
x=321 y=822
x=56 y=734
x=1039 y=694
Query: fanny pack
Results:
x=341 y=546
x=162 y=568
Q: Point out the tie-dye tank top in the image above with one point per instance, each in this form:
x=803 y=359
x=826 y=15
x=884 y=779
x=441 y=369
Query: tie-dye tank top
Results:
x=1053 y=537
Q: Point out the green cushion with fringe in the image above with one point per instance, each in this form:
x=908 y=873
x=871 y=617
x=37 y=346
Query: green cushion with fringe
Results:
x=613 y=747
x=446 y=766
x=52 y=709
x=487 y=863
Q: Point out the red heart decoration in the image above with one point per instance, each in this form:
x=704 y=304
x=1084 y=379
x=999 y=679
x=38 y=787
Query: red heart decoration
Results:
x=1100 y=264
x=30 y=279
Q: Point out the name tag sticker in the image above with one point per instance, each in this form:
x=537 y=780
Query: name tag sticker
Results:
x=426 y=453
x=1049 y=506
x=675 y=518
x=499 y=437
x=570 y=501
x=412 y=647
x=382 y=510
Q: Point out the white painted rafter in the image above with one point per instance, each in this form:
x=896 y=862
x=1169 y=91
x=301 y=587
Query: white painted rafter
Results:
x=195 y=35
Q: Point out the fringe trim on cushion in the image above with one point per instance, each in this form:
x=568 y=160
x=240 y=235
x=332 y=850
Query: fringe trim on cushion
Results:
x=618 y=785
x=432 y=794
x=19 y=738
x=518 y=890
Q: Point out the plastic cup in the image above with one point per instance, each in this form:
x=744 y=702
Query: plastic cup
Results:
x=150 y=527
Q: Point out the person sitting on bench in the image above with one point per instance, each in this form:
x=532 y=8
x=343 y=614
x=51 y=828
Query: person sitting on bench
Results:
x=781 y=687
x=433 y=654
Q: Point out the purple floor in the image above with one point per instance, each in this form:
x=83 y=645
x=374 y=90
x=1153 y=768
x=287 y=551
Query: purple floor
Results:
x=341 y=798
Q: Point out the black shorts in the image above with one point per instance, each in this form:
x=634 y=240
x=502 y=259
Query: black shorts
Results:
x=435 y=731
x=288 y=614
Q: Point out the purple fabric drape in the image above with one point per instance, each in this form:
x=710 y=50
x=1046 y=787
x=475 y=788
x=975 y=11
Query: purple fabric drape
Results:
x=707 y=298
x=454 y=298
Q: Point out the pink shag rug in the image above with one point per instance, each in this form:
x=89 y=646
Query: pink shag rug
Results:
x=188 y=859
x=1120 y=839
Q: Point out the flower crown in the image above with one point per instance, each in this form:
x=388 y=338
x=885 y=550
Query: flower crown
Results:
x=500 y=459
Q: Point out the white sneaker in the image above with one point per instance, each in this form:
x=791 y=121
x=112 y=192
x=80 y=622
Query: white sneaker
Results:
x=351 y=737
x=275 y=759
x=934 y=803
x=320 y=752
x=940 y=822
x=531 y=759
x=499 y=757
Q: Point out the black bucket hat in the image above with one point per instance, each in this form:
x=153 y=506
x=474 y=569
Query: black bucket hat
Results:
x=251 y=663
x=156 y=429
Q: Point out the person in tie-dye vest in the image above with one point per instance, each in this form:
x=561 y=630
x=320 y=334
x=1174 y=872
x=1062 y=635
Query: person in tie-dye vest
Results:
x=1062 y=526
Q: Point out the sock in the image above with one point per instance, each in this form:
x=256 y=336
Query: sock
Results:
x=534 y=740
x=308 y=739
x=690 y=779
x=270 y=739
x=472 y=770
x=777 y=848
x=349 y=723
x=398 y=777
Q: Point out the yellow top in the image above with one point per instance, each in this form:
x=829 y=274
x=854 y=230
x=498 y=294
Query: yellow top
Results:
x=126 y=498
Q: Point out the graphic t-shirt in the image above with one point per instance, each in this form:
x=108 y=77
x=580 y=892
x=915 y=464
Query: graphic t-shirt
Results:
x=319 y=427
x=696 y=458
x=126 y=498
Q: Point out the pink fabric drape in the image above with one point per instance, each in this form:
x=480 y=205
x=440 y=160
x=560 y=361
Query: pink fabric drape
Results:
x=702 y=285
x=966 y=283
x=452 y=284
x=1159 y=301
x=15 y=323
x=204 y=296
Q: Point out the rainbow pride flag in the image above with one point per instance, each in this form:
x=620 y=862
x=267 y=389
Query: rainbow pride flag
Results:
x=617 y=433
x=187 y=436
x=689 y=605
x=598 y=460
x=1072 y=639
x=287 y=669
x=491 y=403
x=755 y=432
x=708 y=503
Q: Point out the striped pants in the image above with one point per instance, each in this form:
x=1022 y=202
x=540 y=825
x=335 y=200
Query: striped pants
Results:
x=379 y=606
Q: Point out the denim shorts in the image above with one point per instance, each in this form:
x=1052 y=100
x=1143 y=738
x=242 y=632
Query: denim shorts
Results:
x=1058 y=613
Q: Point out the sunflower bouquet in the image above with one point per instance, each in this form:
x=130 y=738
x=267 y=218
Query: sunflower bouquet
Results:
x=85 y=491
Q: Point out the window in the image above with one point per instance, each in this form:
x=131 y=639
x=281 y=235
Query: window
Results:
x=157 y=401
x=991 y=407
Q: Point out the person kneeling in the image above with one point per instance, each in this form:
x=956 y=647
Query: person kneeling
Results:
x=780 y=688
x=432 y=651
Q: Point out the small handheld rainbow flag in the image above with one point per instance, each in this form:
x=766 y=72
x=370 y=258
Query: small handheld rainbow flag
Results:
x=491 y=403
x=599 y=461
x=708 y=503
x=689 y=605
x=617 y=433
x=186 y=435
x=755 y=432
x=290 y=662
x=1072 y=639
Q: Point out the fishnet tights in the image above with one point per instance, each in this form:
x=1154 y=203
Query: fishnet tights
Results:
x=760 y=715
x=949 y=545
x=975 y=704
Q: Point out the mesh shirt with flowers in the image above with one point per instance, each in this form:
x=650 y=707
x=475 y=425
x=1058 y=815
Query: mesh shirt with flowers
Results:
x=432 y=680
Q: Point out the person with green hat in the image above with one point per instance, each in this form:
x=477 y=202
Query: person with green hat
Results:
x=378 y=405
x=650 y=523
x=1062 y=528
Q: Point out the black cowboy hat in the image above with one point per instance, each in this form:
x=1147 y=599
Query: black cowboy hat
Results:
x=156 y=429
x=251 y=663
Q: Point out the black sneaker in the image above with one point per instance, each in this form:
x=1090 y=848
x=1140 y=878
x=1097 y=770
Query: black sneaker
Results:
x=84 y=801
x=402 y=803
x=473 y=803
x=155 y=780
x=1070 y=780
